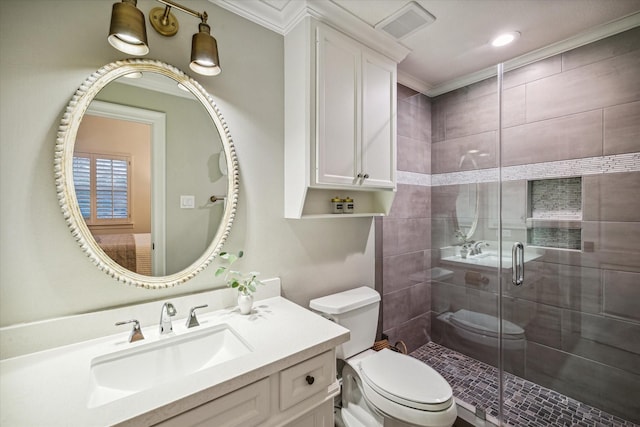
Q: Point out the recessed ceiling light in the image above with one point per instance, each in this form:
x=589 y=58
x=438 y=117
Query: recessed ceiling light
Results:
x=505 y=38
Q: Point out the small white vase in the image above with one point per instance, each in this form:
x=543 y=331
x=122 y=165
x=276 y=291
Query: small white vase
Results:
x=245 y=302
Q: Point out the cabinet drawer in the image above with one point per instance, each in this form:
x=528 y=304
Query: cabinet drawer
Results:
x=246 y=407
x=306 y=379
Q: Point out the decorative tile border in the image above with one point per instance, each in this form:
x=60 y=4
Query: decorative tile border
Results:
x=414 y=178
x=466 y=177
x=475 y=385
x=629 y=162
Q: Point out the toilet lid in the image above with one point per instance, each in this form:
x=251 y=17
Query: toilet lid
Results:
x=406 y=381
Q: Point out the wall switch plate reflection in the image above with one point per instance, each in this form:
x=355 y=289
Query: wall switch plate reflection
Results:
x=187 y=202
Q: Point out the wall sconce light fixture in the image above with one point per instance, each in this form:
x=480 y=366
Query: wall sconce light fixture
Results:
x=128 y=33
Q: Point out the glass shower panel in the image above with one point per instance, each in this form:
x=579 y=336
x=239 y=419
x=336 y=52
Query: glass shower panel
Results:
x=464 y=237
x=569 y=174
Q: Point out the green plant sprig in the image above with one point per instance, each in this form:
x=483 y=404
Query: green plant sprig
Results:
x=244 y=283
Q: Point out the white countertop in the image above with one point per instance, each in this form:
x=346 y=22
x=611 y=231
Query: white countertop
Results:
x=51 y=387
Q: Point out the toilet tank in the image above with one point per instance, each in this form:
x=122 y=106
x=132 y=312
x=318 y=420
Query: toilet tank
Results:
x=356 y=310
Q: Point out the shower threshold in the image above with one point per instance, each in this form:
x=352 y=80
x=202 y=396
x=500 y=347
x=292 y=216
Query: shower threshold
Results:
x=475 y=388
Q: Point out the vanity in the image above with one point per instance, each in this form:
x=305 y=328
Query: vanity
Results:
x=269 y=371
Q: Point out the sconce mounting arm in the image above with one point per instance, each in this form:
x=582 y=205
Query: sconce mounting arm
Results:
x=165 y=23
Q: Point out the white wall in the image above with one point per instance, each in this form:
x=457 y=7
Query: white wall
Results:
x=48 y=48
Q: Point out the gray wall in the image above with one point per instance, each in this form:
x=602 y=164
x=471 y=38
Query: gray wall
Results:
x=406 y=232
x=43 y=272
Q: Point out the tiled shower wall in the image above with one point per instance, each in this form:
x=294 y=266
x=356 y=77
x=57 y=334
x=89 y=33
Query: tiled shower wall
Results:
x=580 y=308
x=406 y=245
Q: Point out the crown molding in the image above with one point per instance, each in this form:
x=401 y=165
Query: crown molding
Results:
x=283 y=20
x=413 y=83
x=264 y=14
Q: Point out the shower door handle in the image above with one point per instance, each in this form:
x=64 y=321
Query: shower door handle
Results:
x=517 y=262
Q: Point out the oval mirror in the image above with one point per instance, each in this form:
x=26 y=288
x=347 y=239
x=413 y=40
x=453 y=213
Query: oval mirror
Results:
x=139 y=163
x=467 y=211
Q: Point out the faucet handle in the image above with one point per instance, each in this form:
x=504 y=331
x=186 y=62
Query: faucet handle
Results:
x=192 y=320
x=136 y=332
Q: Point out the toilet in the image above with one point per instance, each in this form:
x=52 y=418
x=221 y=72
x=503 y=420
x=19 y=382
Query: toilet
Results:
x=383 y=388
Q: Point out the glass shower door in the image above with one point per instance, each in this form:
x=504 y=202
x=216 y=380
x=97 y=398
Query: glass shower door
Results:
x=569 y=219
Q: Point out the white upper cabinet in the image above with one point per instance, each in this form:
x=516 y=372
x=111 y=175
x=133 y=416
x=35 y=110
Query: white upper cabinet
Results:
x=340 y=123
x=378 y=141
x=355 y=143
x=339 y=101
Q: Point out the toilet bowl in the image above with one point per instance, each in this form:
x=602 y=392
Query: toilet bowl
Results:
x=382 y=388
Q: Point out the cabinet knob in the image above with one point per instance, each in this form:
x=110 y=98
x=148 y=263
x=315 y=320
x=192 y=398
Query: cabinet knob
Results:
x=310 y=379
x=366 y=175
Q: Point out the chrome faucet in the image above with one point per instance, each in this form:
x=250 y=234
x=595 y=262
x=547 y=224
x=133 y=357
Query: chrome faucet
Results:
x=167 y=311
x=477 y=247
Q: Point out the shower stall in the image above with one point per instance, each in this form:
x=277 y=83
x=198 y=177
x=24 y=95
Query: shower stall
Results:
x=532 y=259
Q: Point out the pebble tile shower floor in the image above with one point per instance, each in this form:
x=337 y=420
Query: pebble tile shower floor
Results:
x=475 y=385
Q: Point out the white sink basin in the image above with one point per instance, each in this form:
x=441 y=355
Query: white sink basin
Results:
x=487 y=258
x=484 y=259
x=120 y=374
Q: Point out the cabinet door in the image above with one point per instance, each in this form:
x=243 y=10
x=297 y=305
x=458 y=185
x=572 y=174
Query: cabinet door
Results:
x=338 y=68
x=322 y=416
x=378 y=161
x=246 y=407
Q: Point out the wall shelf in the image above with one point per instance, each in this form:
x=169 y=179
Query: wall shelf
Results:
x=574 y=224
x=339 y=216
x=317 y=203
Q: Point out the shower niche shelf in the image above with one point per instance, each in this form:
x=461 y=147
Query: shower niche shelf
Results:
x=555 y=213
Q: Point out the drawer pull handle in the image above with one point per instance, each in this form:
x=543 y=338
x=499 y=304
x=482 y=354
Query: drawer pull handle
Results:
x=310 y=379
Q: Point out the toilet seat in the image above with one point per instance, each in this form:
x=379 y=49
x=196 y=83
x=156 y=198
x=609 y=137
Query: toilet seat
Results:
x=404 y=380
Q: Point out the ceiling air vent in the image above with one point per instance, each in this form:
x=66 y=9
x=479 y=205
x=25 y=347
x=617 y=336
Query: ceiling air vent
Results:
x=406 y=21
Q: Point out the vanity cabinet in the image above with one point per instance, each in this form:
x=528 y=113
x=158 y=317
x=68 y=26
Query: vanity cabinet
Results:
x=300 y=395
x=340 y=123
x=246 y=407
